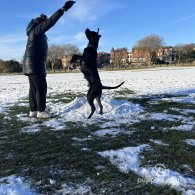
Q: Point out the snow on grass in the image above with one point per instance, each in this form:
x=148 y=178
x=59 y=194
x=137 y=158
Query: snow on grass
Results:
x=184 y=127
x=150 y=81
x=25 y=118
x=183 y=99
x=113 y=132
x=55 y=124
x=144 y=82
x=188 y=123
x=104 y=132
x=74 y=190
x=159 y=142
x=190 y=142
x=79 y=109
x=189 y=111
x=127 y=160
x=167 y=117
x=14 y=92
x=82 y=140
x=13 y=185
x=31 y=129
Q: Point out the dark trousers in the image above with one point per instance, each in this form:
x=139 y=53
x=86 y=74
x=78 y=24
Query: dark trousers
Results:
x=37 y=93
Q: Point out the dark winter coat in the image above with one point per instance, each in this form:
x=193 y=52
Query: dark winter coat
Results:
x=34 y=62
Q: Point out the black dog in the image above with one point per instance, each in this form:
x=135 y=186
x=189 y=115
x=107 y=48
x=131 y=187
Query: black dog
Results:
x=88 y=62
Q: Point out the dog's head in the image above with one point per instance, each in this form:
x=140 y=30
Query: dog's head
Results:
x=93 y=37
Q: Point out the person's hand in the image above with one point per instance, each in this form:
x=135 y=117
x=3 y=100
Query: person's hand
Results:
x=68 y=5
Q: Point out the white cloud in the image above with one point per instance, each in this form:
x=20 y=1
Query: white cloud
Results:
x=8 y=53
x=12 y=39
x=79 y=37
x=12 y=46
x=85 y=11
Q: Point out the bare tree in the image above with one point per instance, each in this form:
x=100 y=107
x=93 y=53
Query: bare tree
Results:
x=185 y=52
x=57 y=52
x=149 y=45
x=10 y=66
x=180 y=49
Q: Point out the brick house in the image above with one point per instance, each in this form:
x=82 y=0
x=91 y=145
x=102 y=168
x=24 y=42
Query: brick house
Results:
x=118 y=56
x=139 y=55
x=166 y=54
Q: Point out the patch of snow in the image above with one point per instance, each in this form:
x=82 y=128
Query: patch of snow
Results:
x=143 y=82
x=55 y=124
x=31 y=129
x=189 y=111
x=127 y=160
x=75 y=190
x=113 y=132
x=13 y=185
x=82 y=140
x=104 y=132
x=184 y=127
x=190 y=142
x=79 y=109
x=159 y=142
x=167 y=117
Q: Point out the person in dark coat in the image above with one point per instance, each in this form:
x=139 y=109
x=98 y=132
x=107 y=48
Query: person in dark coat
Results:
x=35 y=57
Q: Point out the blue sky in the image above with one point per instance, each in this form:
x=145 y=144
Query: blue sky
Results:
x=122 y=22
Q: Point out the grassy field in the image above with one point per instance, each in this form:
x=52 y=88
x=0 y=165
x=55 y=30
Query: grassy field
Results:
x=69 y=157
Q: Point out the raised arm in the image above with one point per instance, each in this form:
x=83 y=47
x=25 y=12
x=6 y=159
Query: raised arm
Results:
x=48 y=23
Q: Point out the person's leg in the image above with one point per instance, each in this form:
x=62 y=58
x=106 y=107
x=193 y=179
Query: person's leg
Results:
x=32 y=94
x=41 y=91
x=41 y=94
x=39 y=86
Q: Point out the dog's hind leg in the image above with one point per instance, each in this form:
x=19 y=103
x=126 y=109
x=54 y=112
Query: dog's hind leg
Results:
x=90 y=99
x=92 y=107
x=100 y=105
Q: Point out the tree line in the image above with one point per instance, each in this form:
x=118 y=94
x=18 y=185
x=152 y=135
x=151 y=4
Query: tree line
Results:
x=184 y=53
x=10 y=66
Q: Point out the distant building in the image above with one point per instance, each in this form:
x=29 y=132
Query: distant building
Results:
x=129 y=57
x=138 y=55
x=118 y=56
x=166 y=54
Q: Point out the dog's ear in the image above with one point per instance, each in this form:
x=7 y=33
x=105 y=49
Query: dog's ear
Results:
x=98 y=33
x=87 y=33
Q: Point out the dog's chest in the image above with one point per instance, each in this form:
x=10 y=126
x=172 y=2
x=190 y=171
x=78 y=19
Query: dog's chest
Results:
x=90 y=54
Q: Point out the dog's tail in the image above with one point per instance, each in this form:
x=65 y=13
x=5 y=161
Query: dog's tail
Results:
x=106 y=87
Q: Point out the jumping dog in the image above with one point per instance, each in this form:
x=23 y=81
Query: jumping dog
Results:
x=88 y=66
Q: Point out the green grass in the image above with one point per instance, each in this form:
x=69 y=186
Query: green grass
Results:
x=56 y=155
x=124 y=92
x=67 y=97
